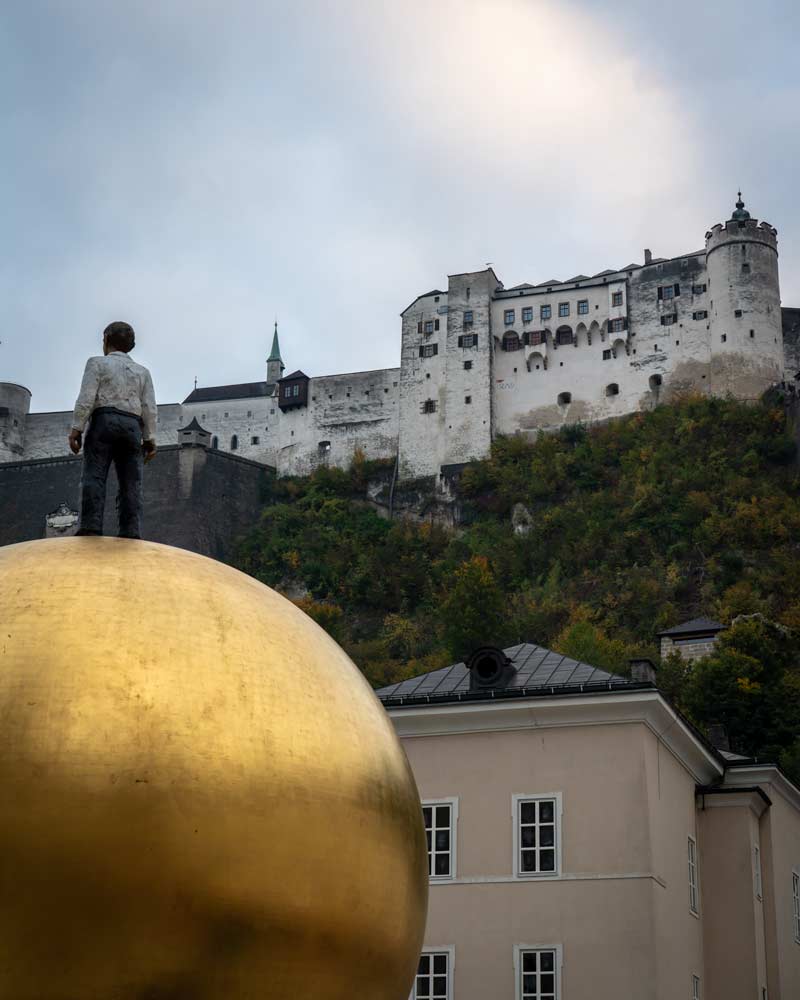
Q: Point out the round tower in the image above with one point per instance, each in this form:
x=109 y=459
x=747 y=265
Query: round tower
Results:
x=15 y=402
x=744 y=306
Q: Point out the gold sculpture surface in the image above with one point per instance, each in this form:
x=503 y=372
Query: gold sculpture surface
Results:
x=200 y=796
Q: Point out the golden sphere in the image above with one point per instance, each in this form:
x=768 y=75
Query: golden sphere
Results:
x=201 y=796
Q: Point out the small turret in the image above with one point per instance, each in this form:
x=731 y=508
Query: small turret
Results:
x=15 y=401
x=744 y=305
x=275 y=365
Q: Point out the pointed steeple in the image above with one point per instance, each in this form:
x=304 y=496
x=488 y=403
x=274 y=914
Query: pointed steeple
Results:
x=275 y=363
x=741 y=214
x=275 y=353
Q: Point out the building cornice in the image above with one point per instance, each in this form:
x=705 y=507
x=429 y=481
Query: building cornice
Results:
x=646 y=707
x=753 y=798
x=744 y=775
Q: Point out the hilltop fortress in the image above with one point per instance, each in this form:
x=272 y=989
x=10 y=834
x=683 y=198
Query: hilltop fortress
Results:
x=480 y=360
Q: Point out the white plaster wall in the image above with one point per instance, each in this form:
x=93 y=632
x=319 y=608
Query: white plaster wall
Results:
x=422 y=435
x=256 y=417
x=358 y=410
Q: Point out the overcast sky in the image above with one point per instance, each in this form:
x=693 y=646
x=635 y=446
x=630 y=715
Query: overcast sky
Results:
x=197 y=168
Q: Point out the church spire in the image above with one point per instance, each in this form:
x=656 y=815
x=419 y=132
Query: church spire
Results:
x=275 y=353
x=275 y=364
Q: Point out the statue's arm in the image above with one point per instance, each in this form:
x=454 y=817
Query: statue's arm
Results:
x=84 y=404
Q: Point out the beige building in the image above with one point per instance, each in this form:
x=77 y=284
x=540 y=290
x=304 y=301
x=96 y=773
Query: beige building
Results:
x=586 y=842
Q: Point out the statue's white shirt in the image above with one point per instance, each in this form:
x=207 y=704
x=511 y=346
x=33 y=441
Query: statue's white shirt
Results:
x=117 y=380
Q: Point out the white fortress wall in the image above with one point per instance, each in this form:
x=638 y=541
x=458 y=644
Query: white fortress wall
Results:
x=249 y=423
x=358 y=410
x=423 y=421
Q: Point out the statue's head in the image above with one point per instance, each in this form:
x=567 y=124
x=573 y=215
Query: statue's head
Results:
x=118 y=336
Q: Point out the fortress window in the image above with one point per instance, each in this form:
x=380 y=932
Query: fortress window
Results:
x=700 y=314
x=583 y=307
x=468 y=340
x=536 y=337
x=616 y=298
x=468 y=320
x=564 y=398
x=249 y=413
x=436 y=298
x=511 y=342
x=563 y=308
x=606 y=355
x=655 y=381
x=215 y=442
x=617 y=325
x=545 y=312
x=419 y=327
x=429 y=326
x=428 y=350
x=668 y=291
x=467 y=366
x=436 y=324
x=698 y=289
x=225 y=414
x=468 y=291
x=527 y=314
x=745 y=267
x=323 y=448
x=737 y=313
x=234 y=442
x=468 y=400
x=429 y=406
x=752 y=334
x=508 y=317
x=669 y=318
x=255 y=439
x=724 y=337
x=612 y=389
x=564 y=335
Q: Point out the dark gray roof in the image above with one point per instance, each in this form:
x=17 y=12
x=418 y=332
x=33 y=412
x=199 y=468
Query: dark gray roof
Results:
x=694 y=627
x=244 y=390
x=608 y=270
x=539 y=671
x=577 y=277
x=193 y=426
x=297 y=374
x=551 y=281
x=433 y=291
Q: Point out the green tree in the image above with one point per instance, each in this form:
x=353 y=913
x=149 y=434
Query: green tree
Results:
x=472 y=608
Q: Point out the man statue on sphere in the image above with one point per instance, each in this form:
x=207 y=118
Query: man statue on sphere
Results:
x=117 y=398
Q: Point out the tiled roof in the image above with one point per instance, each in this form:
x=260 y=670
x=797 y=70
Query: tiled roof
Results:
x=694 y=627
x=539 y=671
x=244 y=390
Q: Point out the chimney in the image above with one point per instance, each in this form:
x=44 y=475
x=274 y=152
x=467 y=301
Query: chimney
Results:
x=643 y=671
x=648 y=257
x=718 y=736
x=489 y=669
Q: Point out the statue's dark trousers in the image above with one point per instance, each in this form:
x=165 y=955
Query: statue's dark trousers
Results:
x=113 y=436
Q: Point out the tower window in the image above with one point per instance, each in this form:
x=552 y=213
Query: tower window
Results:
x=752 y=334
x=234 y=442
x=564 y=398
x=737 y=313
x=468 y=400
x=468 y=320
x=468 y=340
x=215 y=442
x=612 y=389
x=429 y=406
x=255 y=439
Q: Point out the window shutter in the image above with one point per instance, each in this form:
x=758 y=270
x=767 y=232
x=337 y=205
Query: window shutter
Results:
x=419 y=325
x=660 y=293
x=421 y=350
x=436 y=346
x=677 y=290
x=436 y=324
x=624 y=322
x=461 y=341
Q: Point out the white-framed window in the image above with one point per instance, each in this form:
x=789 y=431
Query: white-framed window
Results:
x=537 y=835
x=537 y=972
x=694 y=891
x=757 y=872
x=695 y=988
x=441 y=817
x=796 y=905
x=434 y=978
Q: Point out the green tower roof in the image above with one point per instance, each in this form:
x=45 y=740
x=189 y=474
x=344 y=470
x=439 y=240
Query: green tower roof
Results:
x=275 y=353
x=741 y=212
